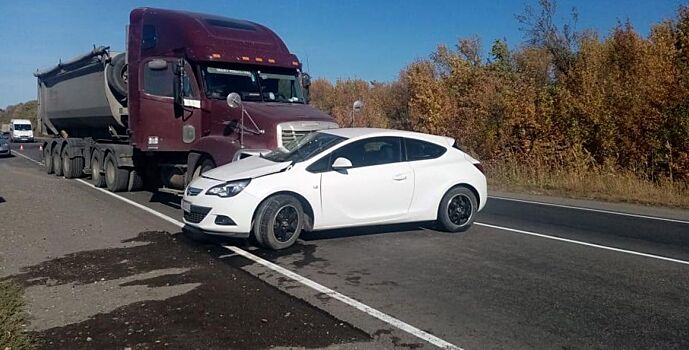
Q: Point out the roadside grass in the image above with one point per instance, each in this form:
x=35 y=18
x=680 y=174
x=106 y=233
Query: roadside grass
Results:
x=585 y=183
x=13 y=319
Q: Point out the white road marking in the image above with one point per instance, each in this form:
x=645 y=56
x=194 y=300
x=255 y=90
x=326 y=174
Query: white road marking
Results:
x=347 y=300
x=26 y=157
x=303 y=280
x=584 y=243
x=592 y=209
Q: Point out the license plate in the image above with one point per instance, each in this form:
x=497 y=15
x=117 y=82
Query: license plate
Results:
x=186 y=206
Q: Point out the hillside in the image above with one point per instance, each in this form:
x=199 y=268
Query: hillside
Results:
x=26 y=110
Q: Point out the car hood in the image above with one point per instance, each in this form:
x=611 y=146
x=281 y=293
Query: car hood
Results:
x=247 y=168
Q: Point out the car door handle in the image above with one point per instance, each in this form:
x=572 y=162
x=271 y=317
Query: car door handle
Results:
x=400 y=177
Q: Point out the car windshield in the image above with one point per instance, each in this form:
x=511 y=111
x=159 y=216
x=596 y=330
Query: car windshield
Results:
x=304 y=148
x=22 y=127
x=265 y=85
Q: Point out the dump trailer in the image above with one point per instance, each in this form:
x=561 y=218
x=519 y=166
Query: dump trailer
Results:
x=157 y=114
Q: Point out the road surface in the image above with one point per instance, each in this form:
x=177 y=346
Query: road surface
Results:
x=104 y=270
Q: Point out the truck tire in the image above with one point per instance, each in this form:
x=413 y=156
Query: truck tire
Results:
x=136 y=181
x=204 y=165
x=117 y=74
x=116 y=179
x=72 y=168
x=57 y=161
x=47 y=159
x=279 y=221
x=97 y=178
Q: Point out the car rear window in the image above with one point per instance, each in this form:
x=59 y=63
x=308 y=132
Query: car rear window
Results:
x=420 y=150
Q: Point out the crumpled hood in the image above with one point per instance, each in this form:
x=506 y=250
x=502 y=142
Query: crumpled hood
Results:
x=247 y=168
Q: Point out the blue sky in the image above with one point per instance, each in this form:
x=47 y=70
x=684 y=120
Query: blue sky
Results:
x=371 y=40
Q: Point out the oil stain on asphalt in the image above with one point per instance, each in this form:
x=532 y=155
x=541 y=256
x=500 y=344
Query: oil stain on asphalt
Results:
x=220 y=307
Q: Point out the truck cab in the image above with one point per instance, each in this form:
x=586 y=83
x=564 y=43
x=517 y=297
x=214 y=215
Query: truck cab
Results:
x=158 y=113
x=21 y=130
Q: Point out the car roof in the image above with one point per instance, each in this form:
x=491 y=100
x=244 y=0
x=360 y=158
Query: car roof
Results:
x=357 y=133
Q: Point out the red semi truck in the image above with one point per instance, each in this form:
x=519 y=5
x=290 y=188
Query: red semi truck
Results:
x=157 y=114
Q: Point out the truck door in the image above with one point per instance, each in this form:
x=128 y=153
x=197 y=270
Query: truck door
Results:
x=159 y=125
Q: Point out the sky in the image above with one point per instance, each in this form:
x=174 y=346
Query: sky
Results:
x=371 y=40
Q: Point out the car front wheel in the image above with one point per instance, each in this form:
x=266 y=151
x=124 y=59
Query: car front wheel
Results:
x=279 y=222
x=457 y=210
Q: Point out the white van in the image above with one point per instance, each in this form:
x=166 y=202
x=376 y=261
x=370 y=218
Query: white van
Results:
x=21 y=131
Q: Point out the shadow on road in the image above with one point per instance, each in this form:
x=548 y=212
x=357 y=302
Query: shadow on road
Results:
x=226 y=307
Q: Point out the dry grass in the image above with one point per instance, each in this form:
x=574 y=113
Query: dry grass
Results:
x=619 y=186
x=12 y=318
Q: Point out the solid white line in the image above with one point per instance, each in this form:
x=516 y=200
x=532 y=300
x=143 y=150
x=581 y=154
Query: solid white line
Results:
x=592 y=209
x=583 y=243
x=26 y=157
x=303 y=280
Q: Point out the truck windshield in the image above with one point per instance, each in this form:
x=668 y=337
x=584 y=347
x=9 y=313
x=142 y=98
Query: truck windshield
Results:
x=304 y=148
x=22 y=127
x=266 y=85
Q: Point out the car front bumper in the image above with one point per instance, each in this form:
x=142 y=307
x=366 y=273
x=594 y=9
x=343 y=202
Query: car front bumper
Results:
x=210 y=213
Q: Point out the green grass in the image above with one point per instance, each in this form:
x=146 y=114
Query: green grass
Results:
x=13 y=319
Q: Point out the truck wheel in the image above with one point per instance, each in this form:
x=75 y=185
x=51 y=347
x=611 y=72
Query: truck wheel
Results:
x=116 y=179
x=57 y=161
x=47 y=159
x=203 y=166
x=72 y=168
x=117 y=74
x=279 y=222
x=136 y=181
x=97 y=178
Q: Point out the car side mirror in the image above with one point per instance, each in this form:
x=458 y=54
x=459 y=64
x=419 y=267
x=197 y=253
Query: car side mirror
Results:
x=341 y=163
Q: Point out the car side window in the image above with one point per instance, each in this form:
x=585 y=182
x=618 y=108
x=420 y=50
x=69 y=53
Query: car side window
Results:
x=420 y=150
x=372 y=151
x=320 y=166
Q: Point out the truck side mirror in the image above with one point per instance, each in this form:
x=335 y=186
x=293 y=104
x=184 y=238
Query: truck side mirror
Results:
x=306 y=85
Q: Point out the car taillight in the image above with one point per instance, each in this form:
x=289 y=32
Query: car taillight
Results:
x=479 y=166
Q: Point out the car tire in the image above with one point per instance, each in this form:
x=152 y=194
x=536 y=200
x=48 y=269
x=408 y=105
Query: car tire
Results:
x=57 y=161
x=71 y=168
x=116 y=179
x=279 y=221
x=97 y=178
x=457 y=210
x=47 y=159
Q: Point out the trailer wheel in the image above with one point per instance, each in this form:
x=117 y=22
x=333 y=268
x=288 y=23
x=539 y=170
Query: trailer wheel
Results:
x=116 y=179
x=57 y=161
x=72 y=168
x=97 y=177
x=47 y=159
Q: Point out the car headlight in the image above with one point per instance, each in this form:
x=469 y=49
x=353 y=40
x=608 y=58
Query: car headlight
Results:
x=228 y=189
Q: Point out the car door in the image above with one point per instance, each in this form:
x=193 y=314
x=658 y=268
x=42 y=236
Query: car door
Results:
x=377 y=188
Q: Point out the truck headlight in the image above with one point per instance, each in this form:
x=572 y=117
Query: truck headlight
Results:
x=228 y=189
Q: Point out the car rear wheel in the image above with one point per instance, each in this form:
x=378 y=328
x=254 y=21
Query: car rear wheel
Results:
x=457 y=210
x=279 y=221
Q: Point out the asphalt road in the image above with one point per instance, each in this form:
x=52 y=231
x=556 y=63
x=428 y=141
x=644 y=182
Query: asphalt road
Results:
x=527 y=275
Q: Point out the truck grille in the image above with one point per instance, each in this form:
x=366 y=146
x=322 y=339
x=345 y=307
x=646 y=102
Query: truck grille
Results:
x=291 y=135
x=197 y=214
x=291 y=131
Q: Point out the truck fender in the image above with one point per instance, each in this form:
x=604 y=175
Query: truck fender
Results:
x=124 y=154
x=220 y=148
x=76 y=147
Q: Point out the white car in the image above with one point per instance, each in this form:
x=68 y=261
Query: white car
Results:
x=338 y=178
